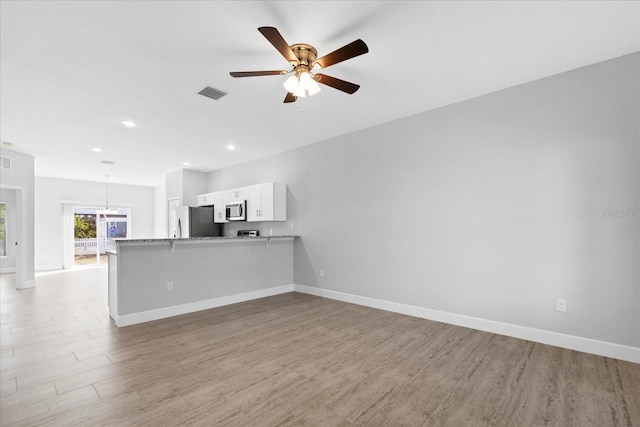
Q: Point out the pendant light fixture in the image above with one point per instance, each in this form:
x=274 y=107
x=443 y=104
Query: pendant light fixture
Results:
x=106 y=209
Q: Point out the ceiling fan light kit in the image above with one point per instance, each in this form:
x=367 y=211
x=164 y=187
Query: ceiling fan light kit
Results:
x=302 y=84
x=303 y=59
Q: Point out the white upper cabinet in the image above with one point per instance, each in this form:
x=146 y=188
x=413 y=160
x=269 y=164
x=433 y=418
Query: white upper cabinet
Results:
x=219 y=207
x=205 y=199
x=267 y=202
x=237 y=194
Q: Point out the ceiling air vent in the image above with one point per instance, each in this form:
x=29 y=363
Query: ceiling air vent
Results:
x=5 y=163
x=107 y=162
x=212 y=93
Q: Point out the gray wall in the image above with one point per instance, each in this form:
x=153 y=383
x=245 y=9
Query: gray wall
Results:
x=281 y=168
x=186 y=184
x=491 y=208
x=9 y=262
x=51 y=192
x=199 y=271
x=21 y=178
x=173 y=185
x=160 y=229
x=194 y=183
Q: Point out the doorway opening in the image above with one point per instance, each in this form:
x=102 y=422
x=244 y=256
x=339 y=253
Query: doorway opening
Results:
x=3 y=230
x=95 y=231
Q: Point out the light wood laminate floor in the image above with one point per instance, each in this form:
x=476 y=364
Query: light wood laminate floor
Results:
x=292 y=359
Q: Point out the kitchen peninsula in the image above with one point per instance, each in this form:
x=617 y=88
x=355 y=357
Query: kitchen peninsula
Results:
x=151 y=279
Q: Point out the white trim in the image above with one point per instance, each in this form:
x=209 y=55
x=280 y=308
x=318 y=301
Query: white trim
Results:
x=176 y=310
x=85 y=204
x=68 y=226
x=4 y=270
x=7 y=235
x=572 y=342
x=112 y=284
x=27 y=284
x=42 y=268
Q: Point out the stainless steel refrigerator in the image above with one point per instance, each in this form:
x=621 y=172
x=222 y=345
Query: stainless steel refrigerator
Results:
x=195 y=222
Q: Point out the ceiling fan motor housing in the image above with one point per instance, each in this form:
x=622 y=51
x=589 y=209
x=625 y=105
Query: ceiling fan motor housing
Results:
x=306 y=55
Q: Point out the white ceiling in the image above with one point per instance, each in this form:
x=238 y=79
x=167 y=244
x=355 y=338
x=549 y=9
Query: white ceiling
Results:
x=71 y=71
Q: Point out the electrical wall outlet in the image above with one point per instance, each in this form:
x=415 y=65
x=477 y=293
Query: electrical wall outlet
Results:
x=322 y=272
x=561 y=305
x=292 y=225
x=169 y=286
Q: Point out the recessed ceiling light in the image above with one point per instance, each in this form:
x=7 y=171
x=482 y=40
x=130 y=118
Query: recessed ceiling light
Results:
x=231 y=147
x=97 y=150
x=128 y=123
x=186 y=163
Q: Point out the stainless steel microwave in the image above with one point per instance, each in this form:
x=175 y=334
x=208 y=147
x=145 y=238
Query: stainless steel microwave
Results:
x=236 y=211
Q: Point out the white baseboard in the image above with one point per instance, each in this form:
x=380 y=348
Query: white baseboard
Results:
x=587 y=345
x=44 y=268
x=27 y=284
x=4 y=270
x=176 y=310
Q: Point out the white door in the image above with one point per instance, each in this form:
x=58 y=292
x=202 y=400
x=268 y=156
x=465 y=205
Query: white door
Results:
x=94 y=231
x=172 y=219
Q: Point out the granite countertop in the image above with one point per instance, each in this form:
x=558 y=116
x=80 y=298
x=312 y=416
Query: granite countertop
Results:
x=196 y=239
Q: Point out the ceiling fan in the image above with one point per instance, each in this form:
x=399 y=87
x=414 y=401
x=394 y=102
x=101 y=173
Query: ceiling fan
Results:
x=303 y=59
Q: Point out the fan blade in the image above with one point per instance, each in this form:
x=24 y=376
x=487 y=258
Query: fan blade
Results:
x=276 y=39
x=257 y=73
x=349 y=51
x=290 y=98
x=342 y=85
